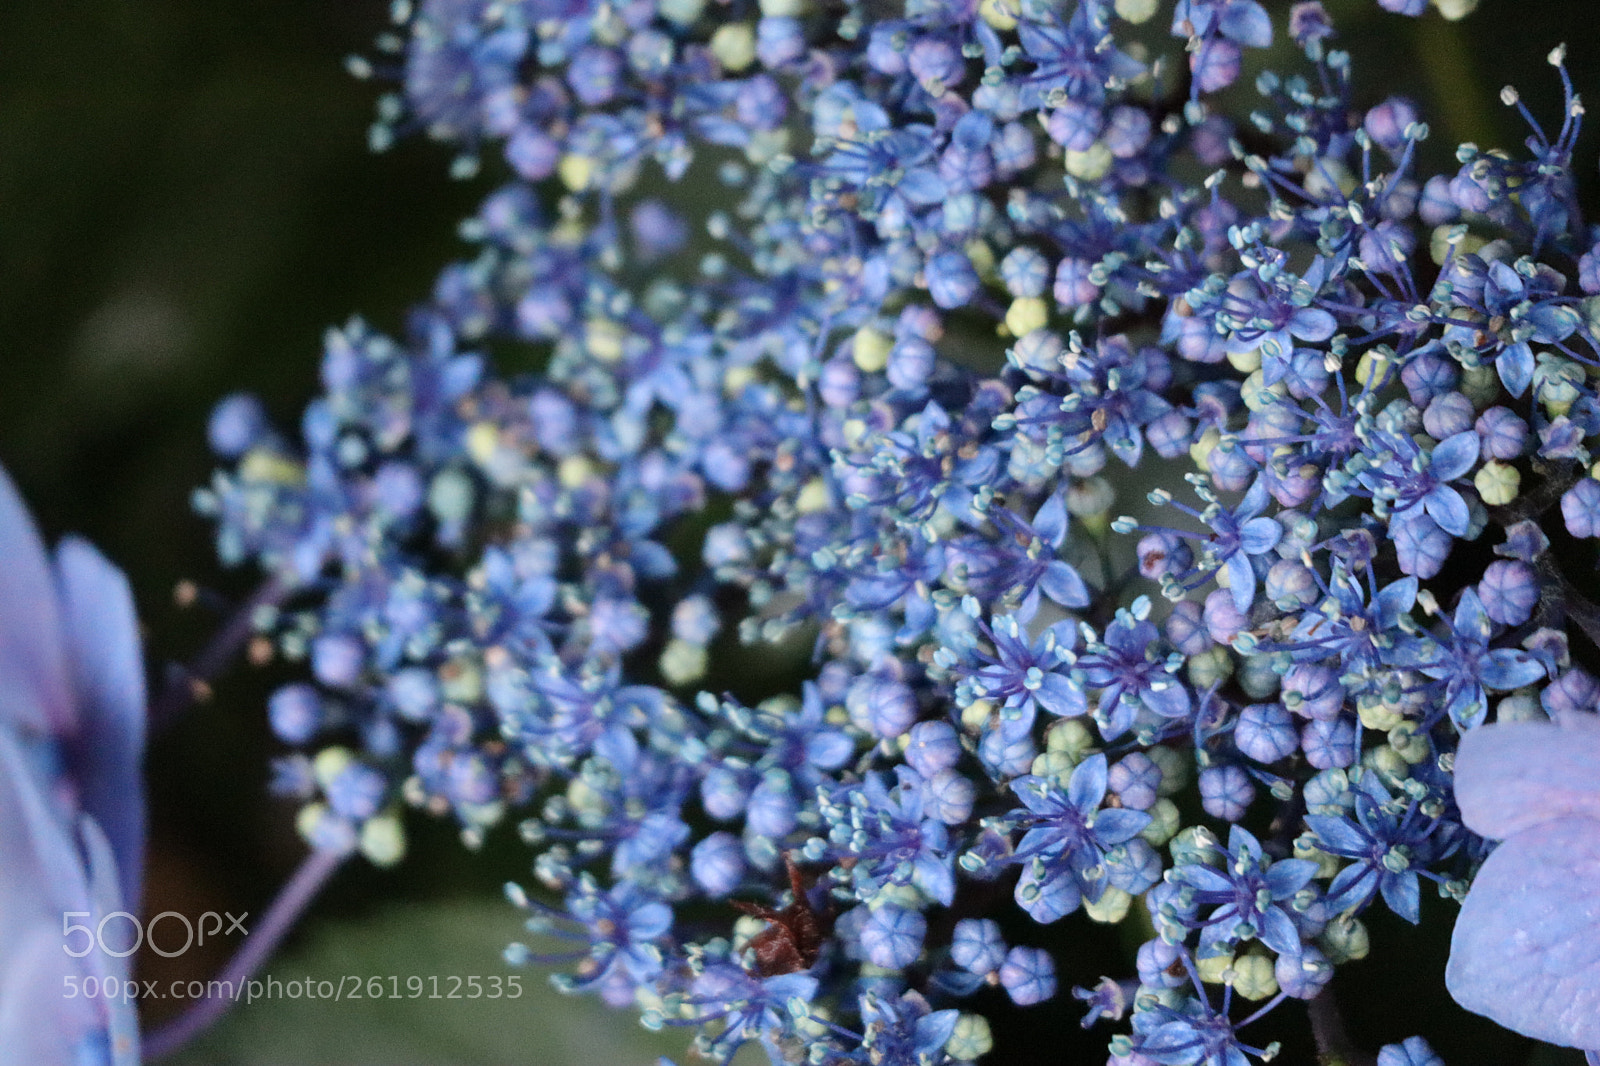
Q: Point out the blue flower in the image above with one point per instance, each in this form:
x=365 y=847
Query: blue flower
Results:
x=1247 y=895
x=905 y=1031
x=1468 y=666
x=1391 y=842
x=1413 y=1051
x=1025 y=677
x=1130 y=676
x=1523 y=948
x=1067 y=839
x=1419 y=484
x=72 y=724
x=810 y=422
x=1190 y=1031
x=748 y=1007
x=888 y=838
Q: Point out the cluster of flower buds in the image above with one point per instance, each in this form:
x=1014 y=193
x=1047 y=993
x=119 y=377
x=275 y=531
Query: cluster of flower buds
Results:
x=1145 y=499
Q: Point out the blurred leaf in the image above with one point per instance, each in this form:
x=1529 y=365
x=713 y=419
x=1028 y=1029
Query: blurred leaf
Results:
x=541 y=1028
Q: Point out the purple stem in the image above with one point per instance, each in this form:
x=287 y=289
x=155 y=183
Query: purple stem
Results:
x=180 y=689
x=1334 y=1046
x=296 y=894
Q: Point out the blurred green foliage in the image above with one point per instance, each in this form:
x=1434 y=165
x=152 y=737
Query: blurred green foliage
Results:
x=429 y=952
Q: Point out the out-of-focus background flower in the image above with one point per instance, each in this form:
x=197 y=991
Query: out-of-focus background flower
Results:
x=186 y=204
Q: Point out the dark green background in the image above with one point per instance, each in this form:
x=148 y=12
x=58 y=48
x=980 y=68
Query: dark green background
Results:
x=186 y=203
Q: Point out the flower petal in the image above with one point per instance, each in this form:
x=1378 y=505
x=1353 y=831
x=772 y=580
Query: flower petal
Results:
x=1087 y=786
x=1446 y=507
x=1118 y=825
x=1241 y=582
x=1310 y=323
x=1509 y=668
x=1063 y=584
x=1259 y=535
x=1515 y=365
x=1511 y=776
x=33 y=665
x=1454 y=456
x=1050 y=523
x=102 y=636
x=1058 y=695
x=1526 y=948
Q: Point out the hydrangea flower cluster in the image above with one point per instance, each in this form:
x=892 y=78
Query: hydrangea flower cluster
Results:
x=860 y=328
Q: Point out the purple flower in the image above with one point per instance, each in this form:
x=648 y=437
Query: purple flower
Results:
x=1028 y=975
x=1026 y=677
x=1248 y=894
x=1130 y=675
x=1580 y=508
x=1467 y=665
x=72 y=704
x=1526 y=949
x=1388 y=843
x=1068 y=837
x=1240 y=534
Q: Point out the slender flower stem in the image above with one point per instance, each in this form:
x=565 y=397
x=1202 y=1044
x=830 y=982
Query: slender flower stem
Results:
x=185 y=683
x=1334 y=1046
x=291 y=901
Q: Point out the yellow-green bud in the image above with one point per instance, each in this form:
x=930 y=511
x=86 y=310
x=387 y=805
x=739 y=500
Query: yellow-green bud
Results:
x=329 y=764
x=1245 y=362
x=575 y=171
x=461 y=680
x=1497 y=482
x=1373 y=367
x=1376 y=714
x=1344 y=940
x=1253 y=977
x=1090 y=164
x=971 y=1039
x=682 y=12
x=1216 y=970
x=1257 y=394
x=1211 y=666
x=1411 y=746
x=1110 y=908
x=1026 y=314
x=734 y=45
x=976 y=715
x=870 y=349
x=1056 y=765
x=1175 y=769
x=383 y=840
x=682 y=663
x=1164 y=822
x=1071 y=736
x=1480 y=384
x=1327 y=865
x=1386 y=762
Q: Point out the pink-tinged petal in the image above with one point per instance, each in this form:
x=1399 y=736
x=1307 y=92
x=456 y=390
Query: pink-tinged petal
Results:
x=39 y=1025
x=105 y=897
x=1511 y=776
x=1526 y=948
x=39 y=859
x=41 y=876
x=34 y=692
x=102 y=637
